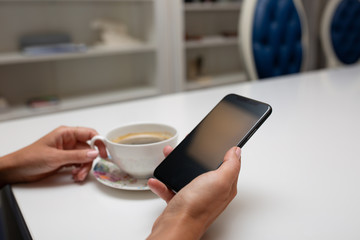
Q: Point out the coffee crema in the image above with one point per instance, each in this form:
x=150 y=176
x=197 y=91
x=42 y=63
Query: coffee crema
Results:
x=142 y=138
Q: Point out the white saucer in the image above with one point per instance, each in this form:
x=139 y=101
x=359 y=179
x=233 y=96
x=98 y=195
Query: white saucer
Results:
x=110 y=175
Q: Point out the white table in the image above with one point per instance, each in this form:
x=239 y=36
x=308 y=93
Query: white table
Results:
x=300 y=172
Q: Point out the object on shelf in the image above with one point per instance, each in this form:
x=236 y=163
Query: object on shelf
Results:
x=54 y=49
x=43 y=39
x=44 y=101
x=4 y=105
x=195 y=67
x=230 y=34
x=189 y=37
x=48 y=43
x=114 y=34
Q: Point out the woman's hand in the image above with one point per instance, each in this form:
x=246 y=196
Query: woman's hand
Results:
x=64 y=146
x=191 y=211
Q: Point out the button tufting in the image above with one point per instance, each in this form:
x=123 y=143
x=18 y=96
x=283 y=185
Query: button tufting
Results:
x=276 y=53
x=345 y=31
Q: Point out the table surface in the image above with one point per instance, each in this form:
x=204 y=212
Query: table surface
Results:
x=299 y=178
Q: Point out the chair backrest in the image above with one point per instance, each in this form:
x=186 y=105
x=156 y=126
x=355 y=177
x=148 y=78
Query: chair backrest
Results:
x=273 y=37
x=340 y=32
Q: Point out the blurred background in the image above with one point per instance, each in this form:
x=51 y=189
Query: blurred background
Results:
x=65 y=54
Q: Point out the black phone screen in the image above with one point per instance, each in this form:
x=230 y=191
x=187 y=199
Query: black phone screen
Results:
x=231 y=122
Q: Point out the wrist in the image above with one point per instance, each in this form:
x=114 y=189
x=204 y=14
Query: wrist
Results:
x=177 y=226
x=4 y=168
x=9 y=165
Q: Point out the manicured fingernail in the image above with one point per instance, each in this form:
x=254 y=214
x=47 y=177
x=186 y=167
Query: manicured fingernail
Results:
x=92 y=153
x=238 y=152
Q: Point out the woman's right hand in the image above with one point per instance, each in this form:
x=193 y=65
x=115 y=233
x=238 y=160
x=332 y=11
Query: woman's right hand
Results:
x=191 y=211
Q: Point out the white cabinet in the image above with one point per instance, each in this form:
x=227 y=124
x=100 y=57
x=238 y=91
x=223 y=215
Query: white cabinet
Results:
x=96 y=76
x=163 y=61
x=208 y=44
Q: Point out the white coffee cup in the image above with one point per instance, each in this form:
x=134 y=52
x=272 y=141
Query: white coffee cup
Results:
x=138 y=149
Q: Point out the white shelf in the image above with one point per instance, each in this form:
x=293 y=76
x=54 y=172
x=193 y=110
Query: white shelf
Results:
x=211 y=81
x=216 y=41
x=17 y=57
x=229 y=6
x=80 y=101
x=97 y=75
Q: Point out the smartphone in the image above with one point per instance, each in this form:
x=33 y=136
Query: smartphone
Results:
x=231 y=122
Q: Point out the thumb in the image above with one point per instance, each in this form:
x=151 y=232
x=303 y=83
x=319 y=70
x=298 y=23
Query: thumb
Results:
x=77 y=156
x=232 y=162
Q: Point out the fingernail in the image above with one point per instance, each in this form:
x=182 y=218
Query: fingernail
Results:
x=92 y=153
x=238 y=152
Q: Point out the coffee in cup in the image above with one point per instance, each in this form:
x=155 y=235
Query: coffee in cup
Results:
x=137 y=149
x=142 y=138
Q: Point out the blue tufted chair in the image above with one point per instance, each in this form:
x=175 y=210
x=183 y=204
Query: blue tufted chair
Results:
x=273 y=37
x=340 y=32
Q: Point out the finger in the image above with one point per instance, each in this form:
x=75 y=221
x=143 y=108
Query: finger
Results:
x=160 y=189
x=80 y=145
x=83 y=134
x=69 y=137
x=99 y=144
x=64 y=157
x=75 y=174
x=76 y=170
x=232 y=162
x=82 y=172
x=167 y=150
